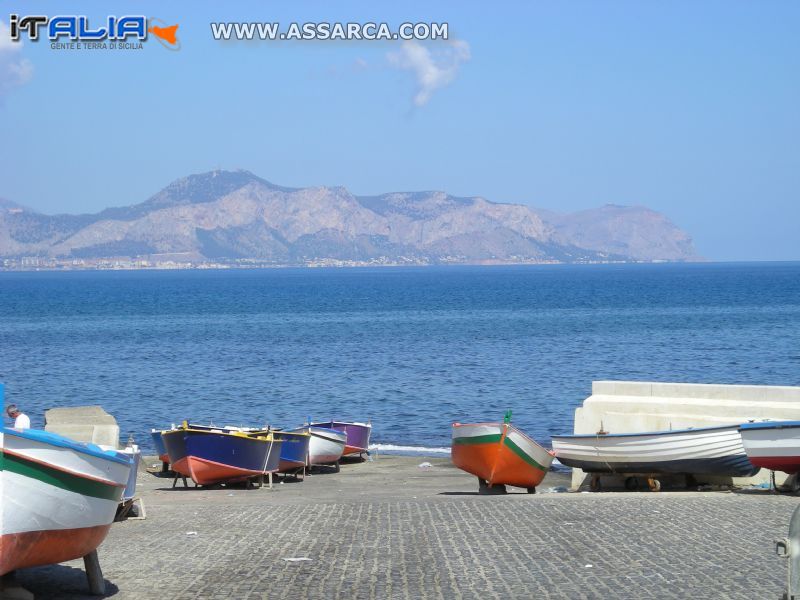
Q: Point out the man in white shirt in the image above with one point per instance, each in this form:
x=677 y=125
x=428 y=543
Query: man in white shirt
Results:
x=21 y=420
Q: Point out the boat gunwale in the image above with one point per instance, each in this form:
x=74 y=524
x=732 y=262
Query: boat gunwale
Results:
x=602 y=436
x=511 y=425
x=53 y=439
x=770 y=425
x=256 y=436
x=323 y=423
x=336 y=440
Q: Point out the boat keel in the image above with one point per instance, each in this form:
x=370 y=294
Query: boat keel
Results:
x=485 y=489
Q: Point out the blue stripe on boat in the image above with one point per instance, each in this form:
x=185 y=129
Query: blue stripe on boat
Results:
x=771 y=425
x=735 y=465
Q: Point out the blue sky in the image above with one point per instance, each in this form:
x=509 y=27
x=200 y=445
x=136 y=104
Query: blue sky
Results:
x=688 y=108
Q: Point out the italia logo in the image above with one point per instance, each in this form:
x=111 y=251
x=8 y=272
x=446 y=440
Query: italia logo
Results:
x=73 y=28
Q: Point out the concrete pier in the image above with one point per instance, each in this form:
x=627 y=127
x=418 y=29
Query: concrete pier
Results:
x=631 y=406
x=389 y=529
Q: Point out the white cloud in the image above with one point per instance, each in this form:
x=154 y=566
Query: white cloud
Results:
x=14 y=69
x=434 y=67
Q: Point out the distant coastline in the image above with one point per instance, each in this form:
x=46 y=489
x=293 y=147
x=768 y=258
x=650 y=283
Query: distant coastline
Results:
x=233 y=218
x=33 y=264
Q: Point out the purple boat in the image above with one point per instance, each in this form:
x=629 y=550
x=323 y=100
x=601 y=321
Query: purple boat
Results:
x=357 y=435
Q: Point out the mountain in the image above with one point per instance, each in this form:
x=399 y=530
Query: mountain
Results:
x=634 y=231
x=223 y=215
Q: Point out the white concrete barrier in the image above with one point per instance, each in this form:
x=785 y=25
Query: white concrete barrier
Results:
x=634 y=406
x=83 y=424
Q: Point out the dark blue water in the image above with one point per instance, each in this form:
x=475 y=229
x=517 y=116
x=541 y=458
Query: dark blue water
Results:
x=412 y=349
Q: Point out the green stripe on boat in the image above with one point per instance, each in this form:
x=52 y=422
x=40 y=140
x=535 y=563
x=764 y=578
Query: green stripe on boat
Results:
x=492 y=438
x=521 y=453
x=60 y=479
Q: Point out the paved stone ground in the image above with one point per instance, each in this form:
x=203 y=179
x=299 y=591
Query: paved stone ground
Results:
x=388 y=529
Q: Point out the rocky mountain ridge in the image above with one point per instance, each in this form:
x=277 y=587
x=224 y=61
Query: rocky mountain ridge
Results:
x=230 y=215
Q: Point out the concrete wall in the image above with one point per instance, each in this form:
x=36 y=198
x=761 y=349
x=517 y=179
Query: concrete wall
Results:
x=83 y=424
x=631 y=406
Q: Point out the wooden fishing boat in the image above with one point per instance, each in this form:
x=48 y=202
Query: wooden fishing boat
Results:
x=294 y=450
x=357 y=435
x=325 y=446
x=58 y=497
x=161 y=450
x=212 y=455
x=773 y=445
x=499 y=454
x=692 y=451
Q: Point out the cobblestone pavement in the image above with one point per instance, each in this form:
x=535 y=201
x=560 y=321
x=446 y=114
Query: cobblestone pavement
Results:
x=425 y=534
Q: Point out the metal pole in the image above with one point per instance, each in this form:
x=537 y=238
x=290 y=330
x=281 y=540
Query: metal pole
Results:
x=789 y=548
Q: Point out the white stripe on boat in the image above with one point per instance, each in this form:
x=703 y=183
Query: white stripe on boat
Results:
x=37 y=506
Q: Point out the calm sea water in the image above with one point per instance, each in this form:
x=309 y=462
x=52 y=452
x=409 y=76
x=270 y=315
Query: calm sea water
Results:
x=411 y=349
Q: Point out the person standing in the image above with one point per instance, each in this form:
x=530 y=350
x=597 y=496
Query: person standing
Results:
x=21 y=420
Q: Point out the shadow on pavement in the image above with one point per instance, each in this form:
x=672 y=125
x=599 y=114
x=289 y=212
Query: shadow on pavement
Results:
x=59 y=582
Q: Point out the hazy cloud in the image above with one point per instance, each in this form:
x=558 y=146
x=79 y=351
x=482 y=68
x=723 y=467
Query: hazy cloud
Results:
x=14 y=69
x=434 y=66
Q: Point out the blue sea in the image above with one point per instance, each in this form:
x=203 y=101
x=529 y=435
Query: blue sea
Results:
x=412 y=349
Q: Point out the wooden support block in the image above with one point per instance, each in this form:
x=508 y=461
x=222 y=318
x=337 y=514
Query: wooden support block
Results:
x=141 y=514
x=123 y=510
x=97 y=585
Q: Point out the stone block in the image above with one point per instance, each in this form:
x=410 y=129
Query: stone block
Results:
x=83 y=424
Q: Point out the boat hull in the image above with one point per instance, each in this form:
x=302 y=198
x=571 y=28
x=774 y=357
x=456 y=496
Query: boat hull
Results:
x=212 y=456
x=773 y=445
x=161 y=450
x=499 y=454
x=58 y=497
x=294 y=450
x=325 y=446
x=47 y=547
x=357 y=435
x=701 y=451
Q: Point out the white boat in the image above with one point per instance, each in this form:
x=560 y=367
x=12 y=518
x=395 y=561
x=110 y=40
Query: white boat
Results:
x=773 y=445
x=702 y=450
x=357 y=435
x=58 y=497
x=326 y=446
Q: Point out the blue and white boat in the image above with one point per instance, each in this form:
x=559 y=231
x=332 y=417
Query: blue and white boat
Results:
x=692 y=451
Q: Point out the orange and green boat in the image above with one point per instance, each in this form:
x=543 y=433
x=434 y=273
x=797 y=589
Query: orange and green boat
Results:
x=499 y=454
